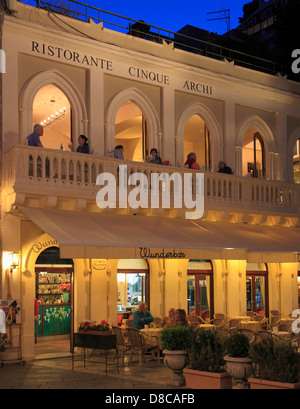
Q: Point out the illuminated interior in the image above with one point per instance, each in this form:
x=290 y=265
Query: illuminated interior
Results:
x=52 y=109
x=195 y=135
x=250 y=150
x=131 y=132
x=296 y=162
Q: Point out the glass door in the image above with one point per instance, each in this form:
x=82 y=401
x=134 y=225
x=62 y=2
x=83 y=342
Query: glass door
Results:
x=200 y=294
x=257 y=292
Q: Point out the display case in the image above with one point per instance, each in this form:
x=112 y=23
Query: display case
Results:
x=54 y=293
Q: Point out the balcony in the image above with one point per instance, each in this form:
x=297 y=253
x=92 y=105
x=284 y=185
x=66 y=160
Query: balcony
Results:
x=59 y=179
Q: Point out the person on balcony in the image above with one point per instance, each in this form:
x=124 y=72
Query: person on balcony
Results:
x=223 y=168
x=142 y=317
x=118 y=152
x=191 y=161
x=154 y=158
x=34 y=138
x=83 y=146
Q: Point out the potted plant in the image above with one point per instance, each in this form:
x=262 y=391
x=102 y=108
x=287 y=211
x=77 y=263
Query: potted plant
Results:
x=3 y=344
x=276 y=365
x=238 y=361
x=176 y=343
x=207 y=366
x=91 y=327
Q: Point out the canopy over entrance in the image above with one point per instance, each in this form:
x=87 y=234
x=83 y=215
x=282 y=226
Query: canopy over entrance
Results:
x=97 y=235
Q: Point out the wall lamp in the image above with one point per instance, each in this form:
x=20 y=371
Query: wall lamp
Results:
x=14 y=261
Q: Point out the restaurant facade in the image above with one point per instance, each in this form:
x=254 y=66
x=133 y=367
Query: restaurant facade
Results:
x=84 y=262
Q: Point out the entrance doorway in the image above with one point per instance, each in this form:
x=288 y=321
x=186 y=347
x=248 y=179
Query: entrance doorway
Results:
x=200 y=289
x=54 y=292
x=257 y=291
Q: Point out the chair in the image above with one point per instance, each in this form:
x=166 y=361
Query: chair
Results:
x=284 y=327
x=274 y=321
x=233 y=325
x=262 y=335
x=139 y=345
x=278 y=338
x=251 y=314
x=193 y=318
x=275 y=313
x=262 y=321
x=122 y=345
x=157 y=322
x=129 y=323
x=249 y=334
x=220 y=316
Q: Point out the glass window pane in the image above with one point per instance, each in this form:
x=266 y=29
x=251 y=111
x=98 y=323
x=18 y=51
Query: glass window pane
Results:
x=191 y=294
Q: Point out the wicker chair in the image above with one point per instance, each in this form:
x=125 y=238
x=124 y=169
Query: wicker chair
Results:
x=122 y=345
x=138 y=344
x=251 y=314
x=249 y=334
x=262 y=335
x=262 y=321
x=233 y=325
x=157 y=322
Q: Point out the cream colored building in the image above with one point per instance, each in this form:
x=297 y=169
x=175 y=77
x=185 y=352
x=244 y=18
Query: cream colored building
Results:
x=79 y=77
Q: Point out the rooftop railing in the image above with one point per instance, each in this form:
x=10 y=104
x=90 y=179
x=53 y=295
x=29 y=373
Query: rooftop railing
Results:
x=149 y=32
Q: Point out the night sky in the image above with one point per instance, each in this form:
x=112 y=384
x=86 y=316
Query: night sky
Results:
x=174 y=14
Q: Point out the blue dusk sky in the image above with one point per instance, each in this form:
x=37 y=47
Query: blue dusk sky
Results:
x=174 y=14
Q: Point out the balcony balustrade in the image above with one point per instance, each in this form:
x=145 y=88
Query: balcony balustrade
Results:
x=45 y=172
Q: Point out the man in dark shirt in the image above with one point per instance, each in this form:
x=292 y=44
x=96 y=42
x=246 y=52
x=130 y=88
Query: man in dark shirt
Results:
x=223 y=168
x=34 y=137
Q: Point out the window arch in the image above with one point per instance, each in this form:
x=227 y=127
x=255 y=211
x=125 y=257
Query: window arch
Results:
x=56 y=78
x=134 y=98
x=199 y=117
x=254 y=134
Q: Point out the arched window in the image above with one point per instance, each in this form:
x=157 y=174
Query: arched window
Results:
x=132 y=132
x=197 y=140
x=254 y=158
x=200 y=288
x=52 y=109
x=296 y=162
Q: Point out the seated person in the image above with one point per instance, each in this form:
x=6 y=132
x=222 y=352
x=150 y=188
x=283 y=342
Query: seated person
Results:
x=180 y=318
x=142 y=317
x=118 y=152
x=83 y=146
x=191 y=161
x=154 y=158
x=34 y=138
x=223 y=168
x=169 y=320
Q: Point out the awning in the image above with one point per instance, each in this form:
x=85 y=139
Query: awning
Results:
x=112 y=236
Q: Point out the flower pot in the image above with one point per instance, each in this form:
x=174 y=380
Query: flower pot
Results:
x=256 y=383
x=80 y=331
x=207 y=380
x=176 y=361
x=239 y=369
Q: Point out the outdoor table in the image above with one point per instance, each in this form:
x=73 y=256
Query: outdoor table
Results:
x=287 y=321
x=207 y=326
x=91 y=341
x=242 y=318
x=251 y=325
x=152 y=340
